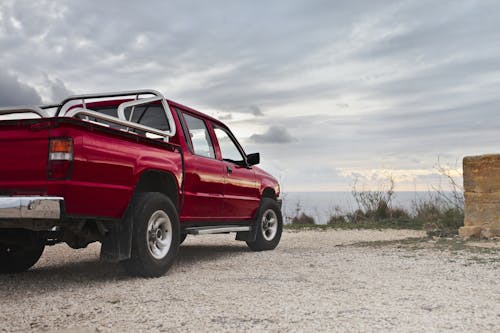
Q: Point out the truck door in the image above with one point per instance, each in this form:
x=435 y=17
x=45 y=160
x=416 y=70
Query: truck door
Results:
x=204 y=182
x=241 y=191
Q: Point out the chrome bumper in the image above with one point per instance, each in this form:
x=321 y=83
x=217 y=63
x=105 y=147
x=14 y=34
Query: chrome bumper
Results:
x=30 y=207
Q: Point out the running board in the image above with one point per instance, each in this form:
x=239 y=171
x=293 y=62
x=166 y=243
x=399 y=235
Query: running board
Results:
x=216 y=230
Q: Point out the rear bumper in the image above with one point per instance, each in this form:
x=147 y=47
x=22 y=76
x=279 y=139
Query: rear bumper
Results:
x=31 y=207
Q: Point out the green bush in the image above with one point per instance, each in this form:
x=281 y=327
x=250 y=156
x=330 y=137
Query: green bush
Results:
x=438 y=217
x=442 y=214
x=337 y=219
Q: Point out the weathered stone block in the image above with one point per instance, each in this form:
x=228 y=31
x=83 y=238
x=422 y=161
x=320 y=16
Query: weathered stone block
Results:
x=482 y=196
x=469 y=231
x=482 y=173
x=482 y=209
x=489 y=232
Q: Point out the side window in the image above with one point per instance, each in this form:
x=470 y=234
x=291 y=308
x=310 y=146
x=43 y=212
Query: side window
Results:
x=228 y=148
x=202 y=145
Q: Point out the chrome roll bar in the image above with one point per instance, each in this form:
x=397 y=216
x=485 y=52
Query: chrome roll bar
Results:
x=62 y=110
x=24 y=109
x=76 y=105
x=125 y=123
x=123 y=106
x=64 y=104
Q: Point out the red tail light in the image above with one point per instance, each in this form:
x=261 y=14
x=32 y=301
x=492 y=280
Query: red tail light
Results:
x=60 y=158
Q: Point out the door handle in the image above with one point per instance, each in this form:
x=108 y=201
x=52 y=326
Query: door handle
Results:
x=229 y=169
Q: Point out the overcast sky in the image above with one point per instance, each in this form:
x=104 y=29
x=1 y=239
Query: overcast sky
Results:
x=327 y=91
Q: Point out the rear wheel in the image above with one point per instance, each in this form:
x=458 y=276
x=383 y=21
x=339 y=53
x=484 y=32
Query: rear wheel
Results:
x=270 y=226
x=21 y=252
x=155 y=238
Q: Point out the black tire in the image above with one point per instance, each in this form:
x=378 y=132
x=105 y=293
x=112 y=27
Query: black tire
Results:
x=182 y=239
x=19 y=257
x=155 y=238
x=268 y=236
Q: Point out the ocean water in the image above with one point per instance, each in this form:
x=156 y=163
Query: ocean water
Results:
x=321 y=205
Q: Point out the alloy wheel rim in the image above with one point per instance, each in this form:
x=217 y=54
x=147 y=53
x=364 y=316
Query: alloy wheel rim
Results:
x=159 y=234
x=269 y=224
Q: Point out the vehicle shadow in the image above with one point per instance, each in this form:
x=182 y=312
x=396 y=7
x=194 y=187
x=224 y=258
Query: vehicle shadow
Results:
x=84 y=272
x=190 y=254
x=61 y=276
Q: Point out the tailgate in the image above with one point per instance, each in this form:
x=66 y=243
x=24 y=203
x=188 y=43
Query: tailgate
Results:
x=23 y=156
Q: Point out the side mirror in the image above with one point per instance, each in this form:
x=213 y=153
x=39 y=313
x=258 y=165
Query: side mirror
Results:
x=253 y=159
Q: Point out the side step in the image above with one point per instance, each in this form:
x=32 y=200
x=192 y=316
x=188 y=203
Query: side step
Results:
x=216 y=230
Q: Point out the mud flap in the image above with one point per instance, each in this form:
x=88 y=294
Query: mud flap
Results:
x=117 y=245
x=250 y=236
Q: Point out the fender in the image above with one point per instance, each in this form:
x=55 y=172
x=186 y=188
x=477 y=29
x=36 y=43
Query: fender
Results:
x=117 y=245
x=252 y=234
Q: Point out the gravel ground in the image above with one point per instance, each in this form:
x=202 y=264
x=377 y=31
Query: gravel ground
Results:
x=314 y=281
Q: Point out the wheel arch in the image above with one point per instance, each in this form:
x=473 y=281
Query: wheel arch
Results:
x=117 y=244
x=268 y=192
x=159 y=181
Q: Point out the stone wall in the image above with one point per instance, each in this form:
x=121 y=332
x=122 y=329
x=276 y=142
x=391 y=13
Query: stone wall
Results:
x=482 y=196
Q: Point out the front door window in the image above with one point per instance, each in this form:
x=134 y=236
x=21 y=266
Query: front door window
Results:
x=228 y=148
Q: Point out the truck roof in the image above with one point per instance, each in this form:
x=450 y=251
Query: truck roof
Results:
x=196 y=112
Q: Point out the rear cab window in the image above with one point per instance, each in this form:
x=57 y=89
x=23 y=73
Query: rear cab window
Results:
x=151 y=115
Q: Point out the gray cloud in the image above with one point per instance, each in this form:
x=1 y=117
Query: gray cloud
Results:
x=274 y=134
x=376 y=83
x=120 y=51
x=224 y=116
x=57 y=89
x=13 y=92
x=256 y=111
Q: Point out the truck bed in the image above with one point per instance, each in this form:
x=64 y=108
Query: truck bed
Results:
x=101 y=178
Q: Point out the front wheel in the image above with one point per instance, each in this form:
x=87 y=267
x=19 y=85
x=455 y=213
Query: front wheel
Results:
x=19 y=256
x=270 y=226
x=155 y=239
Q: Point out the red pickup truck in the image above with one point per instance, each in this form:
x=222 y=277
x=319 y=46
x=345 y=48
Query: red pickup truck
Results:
x=131 y=170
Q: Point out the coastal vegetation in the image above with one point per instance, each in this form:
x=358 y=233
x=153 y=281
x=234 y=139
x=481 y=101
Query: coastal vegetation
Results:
x=441 y=213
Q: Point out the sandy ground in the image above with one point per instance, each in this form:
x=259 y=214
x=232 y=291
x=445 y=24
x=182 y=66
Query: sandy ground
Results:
x=314 y=281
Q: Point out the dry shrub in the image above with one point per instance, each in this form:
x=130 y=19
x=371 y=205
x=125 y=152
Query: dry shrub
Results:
x=303 y=218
